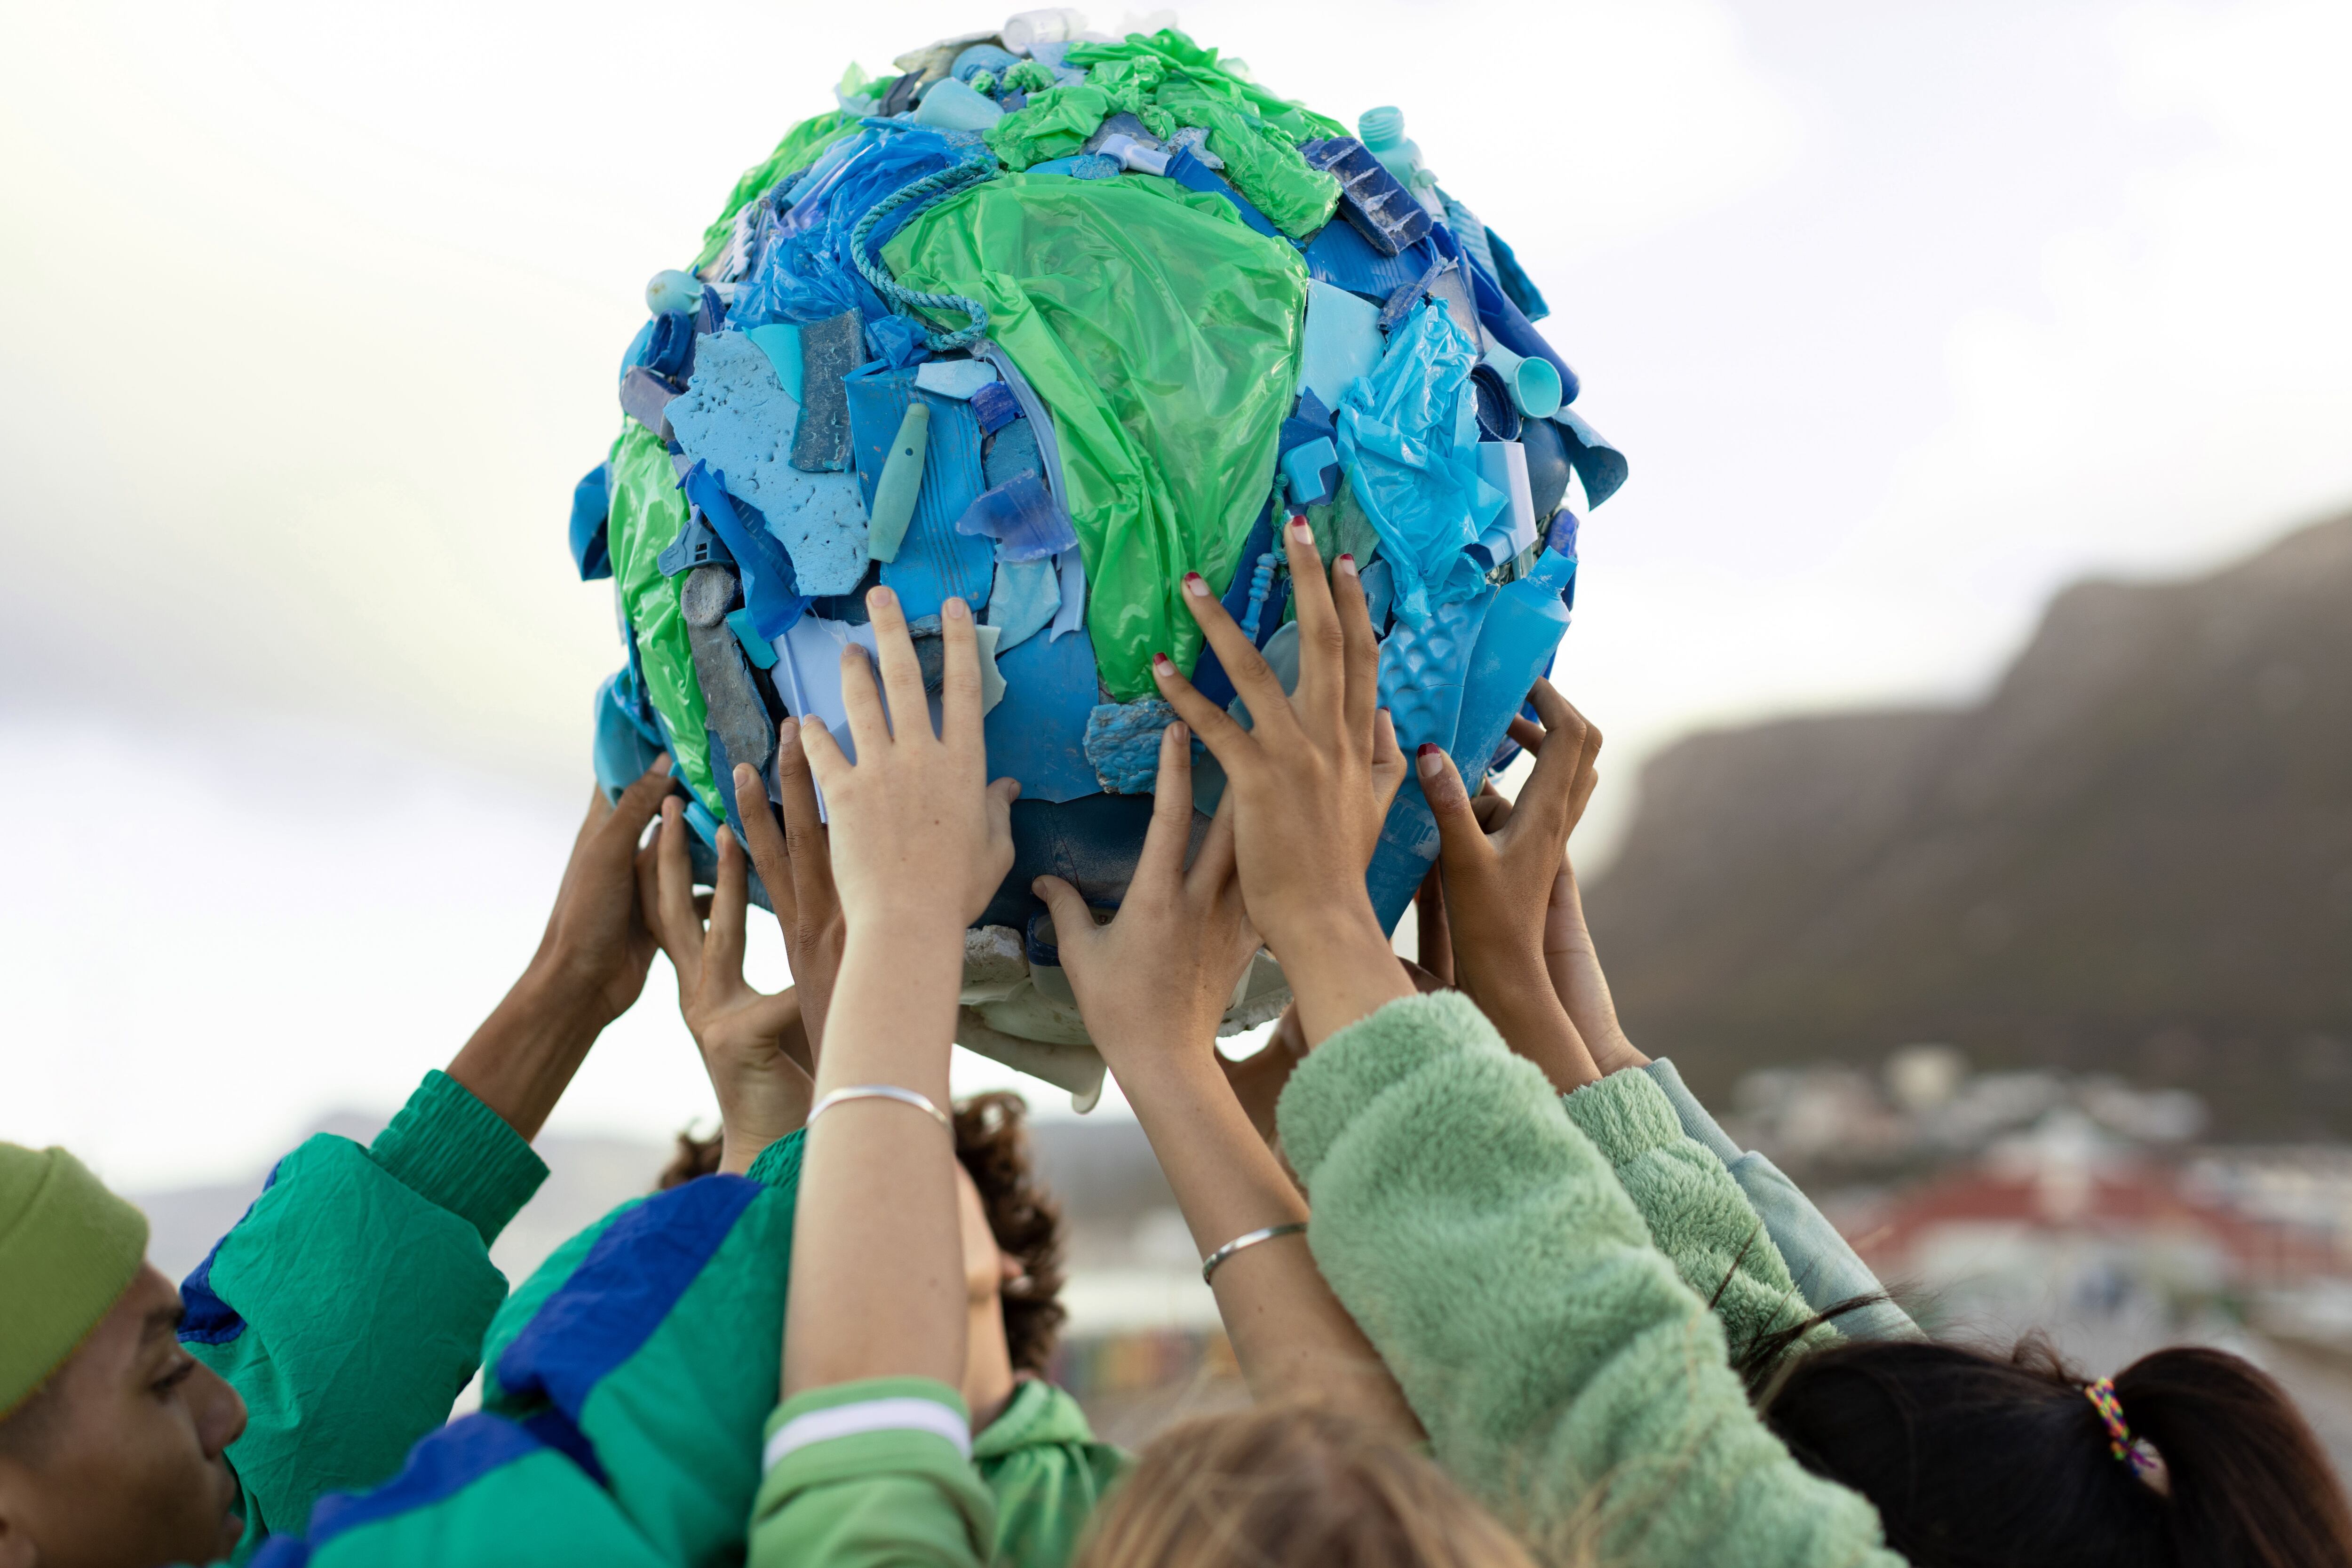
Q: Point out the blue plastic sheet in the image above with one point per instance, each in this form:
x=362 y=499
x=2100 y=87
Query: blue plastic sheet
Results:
x=592 y=503
x=1408 y=440
x=1024 y=601
x=1038 y=734
x=801 y=269
x=769 y=591
x=1338 y=255
x=933 y=560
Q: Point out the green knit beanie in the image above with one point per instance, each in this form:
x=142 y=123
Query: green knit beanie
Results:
x=69 y=1249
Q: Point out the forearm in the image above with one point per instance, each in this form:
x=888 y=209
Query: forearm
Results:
x=1574 y=966
x=1289 y=1332
x=524 y=1056
x=1341 y=970
x=878 y=1216
x=1518 y=997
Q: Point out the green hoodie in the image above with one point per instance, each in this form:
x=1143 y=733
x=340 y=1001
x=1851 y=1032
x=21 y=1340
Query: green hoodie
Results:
x=1042 y=1465
x=1566 y=1376
x=347 y=1307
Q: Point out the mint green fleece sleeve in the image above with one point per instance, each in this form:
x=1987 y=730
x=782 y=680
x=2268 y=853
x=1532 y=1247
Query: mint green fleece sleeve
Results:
x=875 y=1474
x=1566 y=1376
x=348 y=1305
x=1696 y=1212
x=1826 y=1270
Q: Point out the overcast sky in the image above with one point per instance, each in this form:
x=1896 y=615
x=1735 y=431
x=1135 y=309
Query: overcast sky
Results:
x=1905 y=315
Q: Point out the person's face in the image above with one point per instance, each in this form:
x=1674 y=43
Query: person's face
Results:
x=986 y=1270
x=130 y=1472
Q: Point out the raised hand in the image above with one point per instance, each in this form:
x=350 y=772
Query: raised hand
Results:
x=1498 y=866
x=1160 y=975
x=750 y=1041
x=795 y=864
x=1306 y=805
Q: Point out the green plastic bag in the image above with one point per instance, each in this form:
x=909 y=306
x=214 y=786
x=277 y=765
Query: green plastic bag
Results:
x=796 y=151
x=1165 y=333
x=648 y=511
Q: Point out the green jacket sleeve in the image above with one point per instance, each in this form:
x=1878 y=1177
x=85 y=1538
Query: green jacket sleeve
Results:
x=1695 y=1212
x=347 y=1307
x=872 y=1475
x=652 y=1343
x=1826 y=1270
x=1048 y=1474
x=1565 y=1373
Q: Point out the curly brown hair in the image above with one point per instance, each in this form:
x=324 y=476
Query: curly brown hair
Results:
x=992 y=1142
x=992 y=1138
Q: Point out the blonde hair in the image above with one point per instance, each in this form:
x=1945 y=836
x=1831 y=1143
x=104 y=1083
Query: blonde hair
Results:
x=1290 y=1485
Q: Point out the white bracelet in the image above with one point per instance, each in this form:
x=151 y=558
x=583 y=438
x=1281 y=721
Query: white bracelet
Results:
x=921 y=1102
x=1209 y=1264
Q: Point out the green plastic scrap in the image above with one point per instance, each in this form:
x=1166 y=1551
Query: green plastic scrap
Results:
x=1026 y=76
x=1167 y=80
x=648 y=512
x=1168 y=358
x=796 y=151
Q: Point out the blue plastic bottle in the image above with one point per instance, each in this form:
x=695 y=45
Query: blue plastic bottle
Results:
x=1514 y=644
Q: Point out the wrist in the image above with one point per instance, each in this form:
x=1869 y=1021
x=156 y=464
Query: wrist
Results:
x=564 y=987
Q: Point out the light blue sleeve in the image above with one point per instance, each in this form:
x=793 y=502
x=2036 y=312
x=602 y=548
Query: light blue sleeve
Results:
x=1826 y=1270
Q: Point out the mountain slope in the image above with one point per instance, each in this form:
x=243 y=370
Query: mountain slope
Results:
x=2135 y=855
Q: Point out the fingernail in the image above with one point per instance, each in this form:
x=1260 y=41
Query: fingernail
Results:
x=1180 y=732
x=662 y=764
x=1302 y=530
x=787 y=729
x=1347 y=565
x=1162 y=663
x=1196 y=584
x=746 y=776
x=1432 y=762
x=955 y=610
x=881 y=599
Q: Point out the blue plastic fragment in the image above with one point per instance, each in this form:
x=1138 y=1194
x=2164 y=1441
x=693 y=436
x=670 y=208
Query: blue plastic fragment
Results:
x=934 y=561
x=625 y=745
x=1503 y=320
x=1421 y=672
x=699 y=817
x=1305 y=467
x=995 y=407
x=1123 y=743
x=1517 y=286
x=1010 y=455
x=956 y=378
x=735 y=416
x=760 y=650
x=645 y=398
x=1073 y=612
x=697 y=544
x=981 y=58
x=1024 y=600
x=668 y=346
x=1338 y=255
x=1341 y=342
x=1194 y=176
x=769 y=591
x=592 y=504
x=1596 y=460
x=896 y=341
x=1209 y=676
x=781 y=341
x=1370 y=198
x=1020 y=516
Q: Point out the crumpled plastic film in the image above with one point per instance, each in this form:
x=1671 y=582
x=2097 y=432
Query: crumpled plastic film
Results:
x=797 y=150
x=1408 y=439
x=1169 y=358
x=648 y=512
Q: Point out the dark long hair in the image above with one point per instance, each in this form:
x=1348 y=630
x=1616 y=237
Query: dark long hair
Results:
x=1974 y=1459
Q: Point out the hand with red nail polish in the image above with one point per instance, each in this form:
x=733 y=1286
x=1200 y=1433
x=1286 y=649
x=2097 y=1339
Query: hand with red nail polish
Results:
x=1310 y=782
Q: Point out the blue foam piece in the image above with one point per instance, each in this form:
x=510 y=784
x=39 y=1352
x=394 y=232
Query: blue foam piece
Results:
x=1338 y=254
x=735 y=416
x=1024 y=601
x=1123 y=743
x=934 y=561
x=592 y=504
x=1038 y=734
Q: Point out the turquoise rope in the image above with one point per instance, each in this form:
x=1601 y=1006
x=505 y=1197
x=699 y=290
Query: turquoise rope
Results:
x=921 y=194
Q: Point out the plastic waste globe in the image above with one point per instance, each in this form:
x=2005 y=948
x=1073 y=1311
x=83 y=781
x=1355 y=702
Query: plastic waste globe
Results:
x=1046 y=320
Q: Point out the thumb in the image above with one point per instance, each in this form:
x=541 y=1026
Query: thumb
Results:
x=1458 y=832
x=1073 y=922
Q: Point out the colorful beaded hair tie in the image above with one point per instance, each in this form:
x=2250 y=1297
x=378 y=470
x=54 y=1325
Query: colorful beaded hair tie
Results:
x=2120 y=1442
